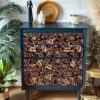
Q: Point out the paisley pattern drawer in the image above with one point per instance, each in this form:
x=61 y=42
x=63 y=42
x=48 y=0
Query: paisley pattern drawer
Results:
x=53 y=51
x=38 y=51
x=53 y=71
x=53 y=38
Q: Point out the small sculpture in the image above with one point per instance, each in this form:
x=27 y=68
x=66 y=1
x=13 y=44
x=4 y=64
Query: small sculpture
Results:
x=30 y=15
x=41 y=18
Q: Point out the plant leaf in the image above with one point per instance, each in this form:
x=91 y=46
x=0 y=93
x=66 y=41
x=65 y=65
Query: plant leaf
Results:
x=1 y=66
x=12 y=71
x=10 y=74
x=1 y=18
x=11 y=27
x=10 y=8
x=6 y=84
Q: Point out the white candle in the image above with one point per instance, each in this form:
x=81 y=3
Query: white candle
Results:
x=75 y=19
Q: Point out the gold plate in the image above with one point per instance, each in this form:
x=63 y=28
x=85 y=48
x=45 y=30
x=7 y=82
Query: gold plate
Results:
x=51 y=10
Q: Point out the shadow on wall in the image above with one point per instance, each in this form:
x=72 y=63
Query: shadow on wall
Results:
x=94 y=6
x=85 y=19
x=61 y=13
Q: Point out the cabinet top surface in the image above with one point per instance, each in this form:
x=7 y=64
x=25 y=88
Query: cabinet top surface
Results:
x=56 y=25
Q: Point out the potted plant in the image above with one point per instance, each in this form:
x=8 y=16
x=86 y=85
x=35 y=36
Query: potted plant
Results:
x=96 y=49
x=9 y=47
x=7 y=72
x=9 y=37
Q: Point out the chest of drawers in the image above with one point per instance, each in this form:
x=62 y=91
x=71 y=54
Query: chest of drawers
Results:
x=53 y=57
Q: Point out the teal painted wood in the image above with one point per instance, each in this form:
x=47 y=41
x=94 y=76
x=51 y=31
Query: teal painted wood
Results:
x=55 y=28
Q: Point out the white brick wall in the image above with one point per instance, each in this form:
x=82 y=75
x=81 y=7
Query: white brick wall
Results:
x=68 y=7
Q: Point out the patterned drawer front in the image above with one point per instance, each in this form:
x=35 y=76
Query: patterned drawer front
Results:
x=53 y=71
x=53 y=38
x=53 y=51
x=68 y=51
x=38 y=51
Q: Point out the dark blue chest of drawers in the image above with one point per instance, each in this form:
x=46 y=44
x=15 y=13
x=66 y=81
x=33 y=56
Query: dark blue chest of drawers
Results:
x=53 y=57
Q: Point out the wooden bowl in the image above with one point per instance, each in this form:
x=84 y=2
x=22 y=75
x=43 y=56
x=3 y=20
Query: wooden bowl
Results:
x=51 y=10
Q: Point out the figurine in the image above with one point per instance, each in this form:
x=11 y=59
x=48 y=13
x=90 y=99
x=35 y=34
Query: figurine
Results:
x=41 y=18
x=30 y=15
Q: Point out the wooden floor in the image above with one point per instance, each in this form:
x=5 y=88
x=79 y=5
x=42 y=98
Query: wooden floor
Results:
x=18 y=94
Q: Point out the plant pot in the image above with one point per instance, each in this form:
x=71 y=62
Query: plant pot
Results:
x=5 y=95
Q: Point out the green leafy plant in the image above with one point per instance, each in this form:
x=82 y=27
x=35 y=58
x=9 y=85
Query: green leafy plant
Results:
x=6 y=75
x=9 y=45
x=9 y=9
x=9 y=42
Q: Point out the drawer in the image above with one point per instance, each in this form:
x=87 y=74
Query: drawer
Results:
x=53 y=38
x=53 y=71
x=53 y=51
x=68 y=51
x=38 y=51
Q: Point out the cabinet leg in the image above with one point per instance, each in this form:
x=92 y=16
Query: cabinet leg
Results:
x=27 y=94
x=79 y=94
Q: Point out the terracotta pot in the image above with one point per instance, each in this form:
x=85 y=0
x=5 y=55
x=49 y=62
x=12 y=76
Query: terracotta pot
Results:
x=5 y=95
